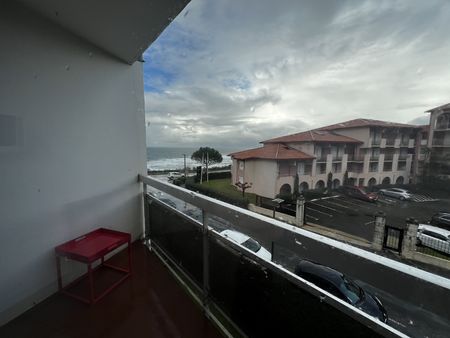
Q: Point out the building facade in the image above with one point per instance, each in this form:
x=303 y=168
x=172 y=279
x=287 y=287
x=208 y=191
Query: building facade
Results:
x=361 y=152
x=439 y=141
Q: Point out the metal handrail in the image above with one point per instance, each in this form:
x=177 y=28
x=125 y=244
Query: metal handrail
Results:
x=250 y=221
x=243 y=217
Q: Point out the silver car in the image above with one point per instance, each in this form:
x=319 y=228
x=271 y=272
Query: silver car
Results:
x=401 y=194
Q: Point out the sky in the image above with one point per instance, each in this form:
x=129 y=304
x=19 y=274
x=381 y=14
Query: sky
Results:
x=230 y=73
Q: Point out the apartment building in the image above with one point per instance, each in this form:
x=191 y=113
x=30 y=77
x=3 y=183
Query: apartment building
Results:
x=439 y=141
x=363 y=152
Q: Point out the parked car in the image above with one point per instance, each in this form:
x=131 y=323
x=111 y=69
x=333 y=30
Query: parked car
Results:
x=441 y=219
x=359 y=192
x=174 y=174
x=248 y=242
x=342 y=287
x=401 y=194
x=434 y=238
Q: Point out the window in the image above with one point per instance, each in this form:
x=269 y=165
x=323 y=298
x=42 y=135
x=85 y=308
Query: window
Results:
x=252 y=245
x=434 y=235
x=241 y=165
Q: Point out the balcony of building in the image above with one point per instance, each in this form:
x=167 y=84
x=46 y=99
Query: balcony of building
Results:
x=441 y=139
x=443 y=122
x=264 y=298
x=355 y=157
x=321 y=168
x=401 y=166
x=375 y=142
x=151 y=303
x=388 y=156
x=355 y=168
x=391 y=141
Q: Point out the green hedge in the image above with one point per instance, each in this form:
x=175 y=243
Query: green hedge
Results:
x=240 y=202
x=214 y=176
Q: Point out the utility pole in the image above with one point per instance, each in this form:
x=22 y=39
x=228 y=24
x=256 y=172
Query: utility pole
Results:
x=207 y=162
x=201 y=169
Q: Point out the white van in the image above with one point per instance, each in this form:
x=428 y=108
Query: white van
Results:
x=434 y=237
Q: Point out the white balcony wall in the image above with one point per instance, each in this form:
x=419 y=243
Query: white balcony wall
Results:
x=75 y=144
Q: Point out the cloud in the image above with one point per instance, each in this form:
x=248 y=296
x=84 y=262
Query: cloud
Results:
x=234 y=73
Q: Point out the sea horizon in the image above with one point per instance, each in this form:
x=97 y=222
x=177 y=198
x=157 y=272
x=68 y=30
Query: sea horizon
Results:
x=171 y=158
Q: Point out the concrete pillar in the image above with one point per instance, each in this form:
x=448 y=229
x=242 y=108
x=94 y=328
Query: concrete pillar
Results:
x=410 y=238
x=300 y=211
x=378 y=235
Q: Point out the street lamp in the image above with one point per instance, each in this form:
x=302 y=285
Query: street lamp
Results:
x=276 y=203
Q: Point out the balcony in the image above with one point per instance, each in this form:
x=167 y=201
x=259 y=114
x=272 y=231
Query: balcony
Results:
x=321 y=159
x=376 y=142
x=390 y=142
x=355 y=158
x=149 y=304
x=388 y=157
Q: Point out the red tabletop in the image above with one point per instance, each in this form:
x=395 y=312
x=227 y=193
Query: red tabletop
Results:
x=93 y=245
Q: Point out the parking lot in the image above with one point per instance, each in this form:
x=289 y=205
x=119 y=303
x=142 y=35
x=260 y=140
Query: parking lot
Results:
x=356 y=217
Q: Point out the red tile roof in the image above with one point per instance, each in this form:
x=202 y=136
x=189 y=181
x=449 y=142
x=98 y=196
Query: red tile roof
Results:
x=272 y=152
x=365 y=123
x=314 y=136
x=444 y=106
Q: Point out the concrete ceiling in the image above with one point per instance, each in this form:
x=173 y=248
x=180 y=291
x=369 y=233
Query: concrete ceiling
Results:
x=124 y=28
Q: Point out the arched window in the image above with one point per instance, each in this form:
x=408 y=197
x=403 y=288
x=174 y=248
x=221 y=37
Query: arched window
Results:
x=285 y=189
x=372 y=182
x=320 y=184
x=304 y=186
x=386 y=181
x=399 y=180
x=336 y=183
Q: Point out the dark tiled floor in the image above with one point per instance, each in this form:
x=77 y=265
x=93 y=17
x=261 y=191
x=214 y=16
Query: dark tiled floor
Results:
x=150 y=304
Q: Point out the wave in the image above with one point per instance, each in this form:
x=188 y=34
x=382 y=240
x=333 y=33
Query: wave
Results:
x=178 y=163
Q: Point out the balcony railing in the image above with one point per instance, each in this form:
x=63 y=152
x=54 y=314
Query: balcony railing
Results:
x=402 y=157
x=390 y=141
x=376 y=141
x=388 y=157
x=355 y=158
x=265 y=298
x=404 y=142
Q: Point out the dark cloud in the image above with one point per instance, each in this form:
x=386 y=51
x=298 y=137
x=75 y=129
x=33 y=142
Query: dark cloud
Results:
x=238 y=72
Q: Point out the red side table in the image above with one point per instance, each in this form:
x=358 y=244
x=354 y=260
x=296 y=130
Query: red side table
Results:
x=88 y=249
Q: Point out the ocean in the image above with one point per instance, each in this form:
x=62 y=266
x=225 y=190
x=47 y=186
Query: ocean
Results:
x=171 y=158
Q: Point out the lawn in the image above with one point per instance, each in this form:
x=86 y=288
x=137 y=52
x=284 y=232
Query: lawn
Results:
x=223 y=186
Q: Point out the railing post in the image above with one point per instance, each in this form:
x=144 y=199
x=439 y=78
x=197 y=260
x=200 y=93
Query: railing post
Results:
x=378 y=235
x=300 y=211
x=410 y=238
x=146 y=230
x=205 y=263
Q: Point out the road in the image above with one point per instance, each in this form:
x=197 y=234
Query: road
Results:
x=408 y=318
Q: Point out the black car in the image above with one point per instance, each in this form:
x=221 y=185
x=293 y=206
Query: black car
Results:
x=441 y=219
x=342 y=287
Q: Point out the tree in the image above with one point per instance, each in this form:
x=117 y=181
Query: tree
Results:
x=243 y=186
x=296 y=192
x=329 y=182
x=207 y=155
x=345 y=180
